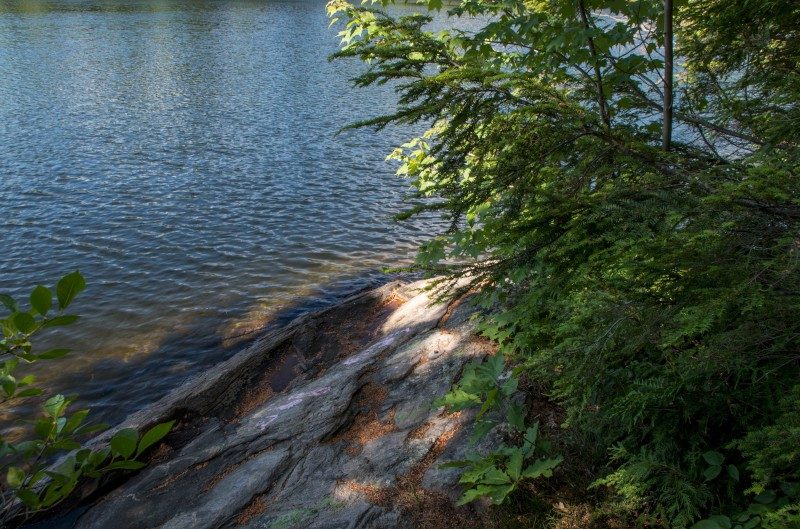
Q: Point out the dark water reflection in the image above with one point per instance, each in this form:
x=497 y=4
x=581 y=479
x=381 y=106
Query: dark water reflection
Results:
x=183 y=156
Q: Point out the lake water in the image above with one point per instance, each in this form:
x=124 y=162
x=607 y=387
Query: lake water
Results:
x=183 y=156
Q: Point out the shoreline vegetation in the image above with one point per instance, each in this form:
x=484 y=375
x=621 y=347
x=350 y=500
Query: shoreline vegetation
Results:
x=621 y=182
x=610 y=336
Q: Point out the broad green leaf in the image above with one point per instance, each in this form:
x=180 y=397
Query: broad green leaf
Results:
x=66 y=444
x=41 y=299
x=495 y=476
x=8 y=302
x=68 y=287
x=53 y=353
x=510 y=386
x=733 y=472
x=541 y=468
x=96 y=458
x=9 y=384
x=516 y=417
x=66 y=319
x=713 y=458
x=531 y=435
x=712 y=472
x=24 y=322
x=37 y=477
x=92 y=428
x=498 y=493
x=123 y=443
x=29 y=498
x=765 y=498
x=707 y=524
x=29 y=392
x=54 y=406
x=470 y=495
x=14 y=477
x=43 y=427
x=480 y=429
x=75 y=420
x=153 y=435
x=722 y=521
x=514 y=466
x=752 y=523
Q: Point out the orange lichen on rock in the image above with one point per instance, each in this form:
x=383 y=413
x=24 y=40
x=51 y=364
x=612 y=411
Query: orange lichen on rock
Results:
x=375 y=494
x=254 y=398
x=422 y=508
x=253 y=509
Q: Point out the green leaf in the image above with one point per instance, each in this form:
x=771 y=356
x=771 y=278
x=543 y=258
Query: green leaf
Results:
x=766 y=497
x=499 y=493
x=29 y=498
x=41 y=299
x=510 y=386
x=480 y=429
x=29 y=392
x=24 y=322
x=713 y=458
x=36 y=478
x=95 y=458
x=153 y=435
x=516 y=417
x=92 y=428
x=514 y=466
x=8 y=302
x=722 y=521
x=495 y=476
x=470 y=495
x=53 y=353
x=712 y=472
x=541 y=468
x=754 y=522
x=75 y=420
x=733 y=472
x=68 y=287
x=15 y=476
x=54 y=406
x=495 y=365
x=66 y=319
x=9 y=384
x=458 y=399
x=707 y=524
x=123 y=443
x=531 y=435
x=43 y=427
x=455 y=464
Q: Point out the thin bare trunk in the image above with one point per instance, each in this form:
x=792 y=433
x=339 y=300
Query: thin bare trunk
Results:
x=598 y=76
x=667 y=128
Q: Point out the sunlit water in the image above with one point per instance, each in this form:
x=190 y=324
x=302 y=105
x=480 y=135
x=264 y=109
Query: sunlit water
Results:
x=183 y=156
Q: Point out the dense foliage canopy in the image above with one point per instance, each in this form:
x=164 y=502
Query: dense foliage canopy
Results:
x=636 y=234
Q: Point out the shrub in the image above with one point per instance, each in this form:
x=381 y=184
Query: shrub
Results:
x=650 y=281
x=44 y=464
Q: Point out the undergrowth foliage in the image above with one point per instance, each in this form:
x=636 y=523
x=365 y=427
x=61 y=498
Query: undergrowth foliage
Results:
x=497 y=473
x=42 y=464
x=652 y=285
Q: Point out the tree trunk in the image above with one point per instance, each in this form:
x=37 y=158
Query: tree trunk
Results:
x=667 y=128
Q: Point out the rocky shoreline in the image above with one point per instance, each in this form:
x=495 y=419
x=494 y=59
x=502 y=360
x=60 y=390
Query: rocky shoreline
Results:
x=324 y=423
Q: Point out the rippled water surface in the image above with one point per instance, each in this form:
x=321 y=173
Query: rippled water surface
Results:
x=183 y=156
